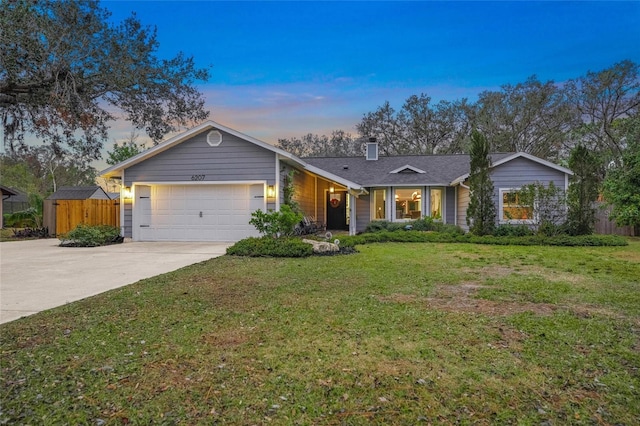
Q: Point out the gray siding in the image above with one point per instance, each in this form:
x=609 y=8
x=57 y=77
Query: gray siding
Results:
x=450 y=205
x=128 y=219
x=323 y=188
x=363 y=212
x=521 y=171
x=304 y=192
x=463 y=204
x=233 y=160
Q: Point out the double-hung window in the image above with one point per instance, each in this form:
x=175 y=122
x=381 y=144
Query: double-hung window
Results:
x=512 y=209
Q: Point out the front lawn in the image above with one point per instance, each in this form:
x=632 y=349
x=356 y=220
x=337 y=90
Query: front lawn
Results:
x=399 y=333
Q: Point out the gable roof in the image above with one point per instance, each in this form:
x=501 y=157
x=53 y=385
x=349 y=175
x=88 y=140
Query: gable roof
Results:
x=116 y=169
x=182 y=137
x=76 y=193
x=352 y=172
x=497 y=162
x=407 y=169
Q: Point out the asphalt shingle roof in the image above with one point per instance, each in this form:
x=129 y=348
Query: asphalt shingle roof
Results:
x=74 y=193
x=439 y=169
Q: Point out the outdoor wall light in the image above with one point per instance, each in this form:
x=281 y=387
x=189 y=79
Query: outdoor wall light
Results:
x=271 y=191
x=332 y=189
x=126 y=193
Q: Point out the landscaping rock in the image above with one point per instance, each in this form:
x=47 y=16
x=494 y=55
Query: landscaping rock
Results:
x=322 y=246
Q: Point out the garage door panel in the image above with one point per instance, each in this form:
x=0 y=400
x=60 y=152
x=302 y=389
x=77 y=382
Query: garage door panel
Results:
x=201 y=212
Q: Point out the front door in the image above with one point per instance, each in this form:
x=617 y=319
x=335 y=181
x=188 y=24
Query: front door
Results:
x=337 y=211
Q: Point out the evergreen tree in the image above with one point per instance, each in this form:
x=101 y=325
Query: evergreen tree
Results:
x=583 y=191
x=481 y=213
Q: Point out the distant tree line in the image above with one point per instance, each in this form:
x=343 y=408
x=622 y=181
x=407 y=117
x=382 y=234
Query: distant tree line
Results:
x=590 y=123
x=545 y=119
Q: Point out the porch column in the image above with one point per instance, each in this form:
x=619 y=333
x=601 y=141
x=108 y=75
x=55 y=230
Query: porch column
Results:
x=352 y=213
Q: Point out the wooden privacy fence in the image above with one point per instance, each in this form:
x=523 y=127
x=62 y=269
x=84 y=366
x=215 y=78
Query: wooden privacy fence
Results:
x=61 y=216
x=606 y=226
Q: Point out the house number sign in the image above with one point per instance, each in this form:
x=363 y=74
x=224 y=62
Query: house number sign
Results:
x=197 y=177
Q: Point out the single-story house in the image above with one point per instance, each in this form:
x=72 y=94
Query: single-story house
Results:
x=204 y=184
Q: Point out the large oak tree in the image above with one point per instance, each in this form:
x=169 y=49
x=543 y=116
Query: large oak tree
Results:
x=66 y=71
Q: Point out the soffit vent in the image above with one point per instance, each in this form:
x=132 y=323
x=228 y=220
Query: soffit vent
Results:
x=214 y=138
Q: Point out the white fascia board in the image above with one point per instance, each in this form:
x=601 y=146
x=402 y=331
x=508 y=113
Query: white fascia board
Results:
x=513 y=157
x=534 y=159
x=405 y=185
x=163 y=146
x=459 y=180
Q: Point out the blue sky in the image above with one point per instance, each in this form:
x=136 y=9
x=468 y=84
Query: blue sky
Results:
x=282 y=69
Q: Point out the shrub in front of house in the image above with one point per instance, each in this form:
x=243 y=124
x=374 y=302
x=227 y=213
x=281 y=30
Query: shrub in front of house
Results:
x=507 y=230
x=91 y=236
x=268 y=246
x=276 y=223
x=426 y=224
x=443 y=237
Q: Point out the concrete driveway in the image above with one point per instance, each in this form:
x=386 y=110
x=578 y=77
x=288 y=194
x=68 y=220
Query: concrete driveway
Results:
x=38 y=275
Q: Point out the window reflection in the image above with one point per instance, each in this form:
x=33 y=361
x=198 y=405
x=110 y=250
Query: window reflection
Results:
x=408 y=203
x=436 y=203
x=379 y=204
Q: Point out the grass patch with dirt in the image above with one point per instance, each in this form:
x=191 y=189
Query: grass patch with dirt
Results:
x=398 y=333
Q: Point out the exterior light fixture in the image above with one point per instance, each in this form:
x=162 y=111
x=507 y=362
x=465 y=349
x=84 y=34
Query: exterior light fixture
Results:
x=126 y=193
x=332 y=189
x=271 y=191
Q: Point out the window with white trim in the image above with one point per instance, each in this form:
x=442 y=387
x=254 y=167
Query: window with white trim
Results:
x=512 y=209
x=214 y=138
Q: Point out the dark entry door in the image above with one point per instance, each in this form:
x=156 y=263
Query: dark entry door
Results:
x=337 y=210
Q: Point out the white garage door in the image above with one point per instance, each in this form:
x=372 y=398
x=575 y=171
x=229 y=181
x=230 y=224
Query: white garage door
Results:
x=196 y=212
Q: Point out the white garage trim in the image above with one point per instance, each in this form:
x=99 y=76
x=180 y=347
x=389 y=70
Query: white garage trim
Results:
x=196 y=211
x=204 y=182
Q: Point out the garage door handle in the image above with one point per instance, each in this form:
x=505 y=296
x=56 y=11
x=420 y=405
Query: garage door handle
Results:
x=144 y=226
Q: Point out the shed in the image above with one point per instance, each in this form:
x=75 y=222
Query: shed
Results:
x=70 y=206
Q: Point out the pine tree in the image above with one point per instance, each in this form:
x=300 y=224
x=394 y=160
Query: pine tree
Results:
x=481 y=213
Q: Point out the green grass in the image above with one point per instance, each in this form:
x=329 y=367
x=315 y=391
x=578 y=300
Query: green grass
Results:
x=396 y=334
x=6 y=234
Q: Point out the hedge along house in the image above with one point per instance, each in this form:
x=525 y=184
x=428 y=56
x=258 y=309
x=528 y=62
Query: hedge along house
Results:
x=203 y=185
